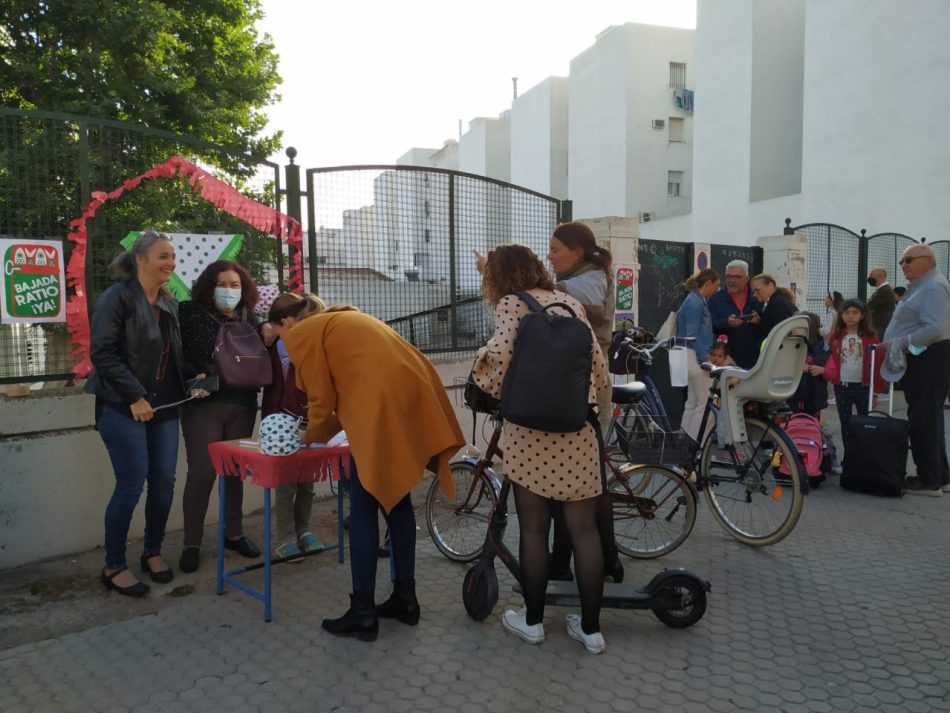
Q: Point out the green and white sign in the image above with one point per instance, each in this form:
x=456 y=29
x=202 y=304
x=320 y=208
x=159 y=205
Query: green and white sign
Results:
x=33 y=281
x=193 y=253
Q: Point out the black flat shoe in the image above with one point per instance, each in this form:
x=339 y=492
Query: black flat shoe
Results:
x=163 y=576
x=244 y=547
x=139 y=589
x=189 y=560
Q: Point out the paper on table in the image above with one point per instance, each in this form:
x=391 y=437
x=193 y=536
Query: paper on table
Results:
x=338 y=440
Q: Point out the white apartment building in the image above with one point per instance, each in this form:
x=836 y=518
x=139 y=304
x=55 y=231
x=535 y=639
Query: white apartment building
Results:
x=630 y=136
x=539 y=138
x=485 y=148
x=445 y=157
x=822 y=112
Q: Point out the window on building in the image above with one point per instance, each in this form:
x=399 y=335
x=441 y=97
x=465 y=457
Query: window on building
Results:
x=676 y=128
x=678 y=75
x=428 y=235
x=427 y=209
x=674 y=183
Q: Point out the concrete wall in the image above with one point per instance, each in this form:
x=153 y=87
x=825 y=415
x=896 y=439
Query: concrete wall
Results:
x=539 y=138
x=56 y=478
x=778 y=46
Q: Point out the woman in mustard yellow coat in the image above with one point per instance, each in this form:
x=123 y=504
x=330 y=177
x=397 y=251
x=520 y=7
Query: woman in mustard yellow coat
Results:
x=362 y=376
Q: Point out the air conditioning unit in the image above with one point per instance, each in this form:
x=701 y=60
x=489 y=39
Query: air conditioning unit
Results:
x=659 y=123
x=646 y=217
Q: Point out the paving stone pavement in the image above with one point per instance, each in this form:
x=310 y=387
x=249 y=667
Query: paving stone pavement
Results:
x=849 y=613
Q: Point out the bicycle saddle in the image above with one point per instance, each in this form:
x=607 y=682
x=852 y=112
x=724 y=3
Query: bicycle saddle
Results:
x=628 y=393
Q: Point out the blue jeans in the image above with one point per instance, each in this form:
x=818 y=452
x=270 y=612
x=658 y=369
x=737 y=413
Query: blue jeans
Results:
x=140 y=453
x=364 y=536
x=847 y=397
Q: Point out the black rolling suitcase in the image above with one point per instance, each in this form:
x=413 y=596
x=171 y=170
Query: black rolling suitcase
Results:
x=876 y=446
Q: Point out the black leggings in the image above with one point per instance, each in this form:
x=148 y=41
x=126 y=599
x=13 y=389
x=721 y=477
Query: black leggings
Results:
x=534 y=516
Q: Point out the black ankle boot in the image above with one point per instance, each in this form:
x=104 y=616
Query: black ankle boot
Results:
x=402 y=604
x=360 y=619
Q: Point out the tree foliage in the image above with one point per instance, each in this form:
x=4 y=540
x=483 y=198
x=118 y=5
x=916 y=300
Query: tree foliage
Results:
x=195 y=67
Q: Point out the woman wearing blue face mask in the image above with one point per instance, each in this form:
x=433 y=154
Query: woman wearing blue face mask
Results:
x=223 y=292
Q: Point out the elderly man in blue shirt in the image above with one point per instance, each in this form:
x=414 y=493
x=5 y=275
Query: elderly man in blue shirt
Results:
x=917 y=342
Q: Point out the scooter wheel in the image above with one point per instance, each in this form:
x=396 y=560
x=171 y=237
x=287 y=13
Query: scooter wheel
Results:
x=682 y=602
x=480 y=591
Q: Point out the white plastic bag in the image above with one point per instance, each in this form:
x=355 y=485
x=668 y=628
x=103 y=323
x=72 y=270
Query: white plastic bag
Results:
x=678 y=370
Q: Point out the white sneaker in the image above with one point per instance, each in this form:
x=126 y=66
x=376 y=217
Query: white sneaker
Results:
x=945 y=488
x=515 y=622
x=594 y=643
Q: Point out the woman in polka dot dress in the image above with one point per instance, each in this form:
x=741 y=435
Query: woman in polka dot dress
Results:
x=545 y=467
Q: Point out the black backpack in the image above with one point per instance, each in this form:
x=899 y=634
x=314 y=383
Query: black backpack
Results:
x=548 y=382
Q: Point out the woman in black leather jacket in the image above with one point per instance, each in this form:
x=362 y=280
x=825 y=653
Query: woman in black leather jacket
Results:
x=138 y=370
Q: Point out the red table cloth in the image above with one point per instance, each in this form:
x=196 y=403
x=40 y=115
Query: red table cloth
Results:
x=306 y=465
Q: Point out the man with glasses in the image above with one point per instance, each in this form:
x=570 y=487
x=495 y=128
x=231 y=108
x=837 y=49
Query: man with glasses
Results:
x=919 y=336
x=732 y=308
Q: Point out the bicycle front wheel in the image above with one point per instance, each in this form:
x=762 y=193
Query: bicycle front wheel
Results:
x=458 y=528
x=754 y=489
x=654 y=509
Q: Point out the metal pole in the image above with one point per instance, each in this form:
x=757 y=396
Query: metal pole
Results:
x=565 y=211
x=312 y=234
x=292 y=179
x=453 y=268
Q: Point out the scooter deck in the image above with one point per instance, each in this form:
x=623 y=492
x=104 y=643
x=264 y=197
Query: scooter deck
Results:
x=616 y=596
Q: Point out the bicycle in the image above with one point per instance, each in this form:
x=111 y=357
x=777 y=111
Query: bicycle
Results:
x=739 y=464
x=654 y=506
x=458 y=528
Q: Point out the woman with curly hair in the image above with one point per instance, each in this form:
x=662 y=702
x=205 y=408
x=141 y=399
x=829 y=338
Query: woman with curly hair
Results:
x=545 y=468
x=224 y=292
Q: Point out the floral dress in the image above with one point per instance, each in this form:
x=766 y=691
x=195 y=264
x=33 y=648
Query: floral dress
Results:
x=561 y=466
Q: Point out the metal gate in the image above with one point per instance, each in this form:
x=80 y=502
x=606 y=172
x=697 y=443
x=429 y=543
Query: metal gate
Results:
x=838 y=259
x=834 y=262
x=398 y=242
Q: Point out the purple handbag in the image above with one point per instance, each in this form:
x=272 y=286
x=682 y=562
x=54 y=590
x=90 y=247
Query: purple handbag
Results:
x=240 y=359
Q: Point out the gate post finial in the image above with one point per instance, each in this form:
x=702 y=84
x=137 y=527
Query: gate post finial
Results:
x=291 y=153
x=864 y=232
x=788 y=227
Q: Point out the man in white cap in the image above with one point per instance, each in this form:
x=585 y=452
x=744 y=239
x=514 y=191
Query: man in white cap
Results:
x=920 y=328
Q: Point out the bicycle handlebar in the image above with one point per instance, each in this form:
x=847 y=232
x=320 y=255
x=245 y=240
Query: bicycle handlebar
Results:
x=648 y=351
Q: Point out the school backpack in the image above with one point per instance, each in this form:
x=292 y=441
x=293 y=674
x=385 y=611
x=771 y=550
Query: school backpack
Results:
x=805 y=431
x=547 y=384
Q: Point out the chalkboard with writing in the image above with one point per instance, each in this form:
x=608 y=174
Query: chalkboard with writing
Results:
x=663 y=267
x=722 y=255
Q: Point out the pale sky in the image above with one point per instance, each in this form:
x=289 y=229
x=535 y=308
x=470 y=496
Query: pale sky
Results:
x=366 y=80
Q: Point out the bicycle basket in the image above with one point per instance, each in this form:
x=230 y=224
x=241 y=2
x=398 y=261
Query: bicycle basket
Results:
x=474 y=398
x=622 y=359
x=649 y=444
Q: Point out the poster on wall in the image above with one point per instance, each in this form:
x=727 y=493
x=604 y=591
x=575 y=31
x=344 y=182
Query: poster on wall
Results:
x=33 y=282
x=193 y=253
x=702 y=256
x=625 y=283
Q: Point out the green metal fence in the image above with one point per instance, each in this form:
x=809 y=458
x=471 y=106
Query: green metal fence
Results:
x=49 y=165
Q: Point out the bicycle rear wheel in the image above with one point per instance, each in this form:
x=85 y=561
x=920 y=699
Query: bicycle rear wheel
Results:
x=458 y=528
x=752 y=499
x=654 y=509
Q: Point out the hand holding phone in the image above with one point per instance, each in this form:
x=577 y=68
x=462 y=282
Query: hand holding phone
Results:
x=203 y=382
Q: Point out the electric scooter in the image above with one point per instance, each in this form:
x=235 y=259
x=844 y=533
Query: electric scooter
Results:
x=676 y=596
